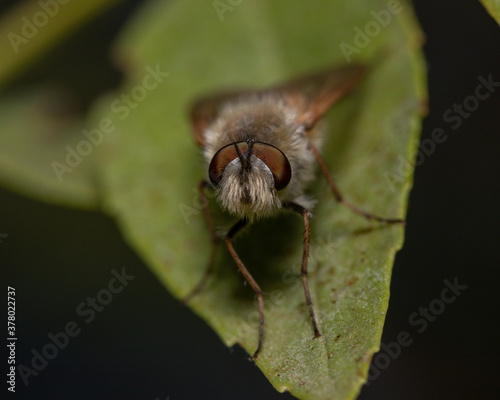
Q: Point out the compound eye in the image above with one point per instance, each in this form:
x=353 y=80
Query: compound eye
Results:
x=222 y=158
x=273 y=157
x=276 y=162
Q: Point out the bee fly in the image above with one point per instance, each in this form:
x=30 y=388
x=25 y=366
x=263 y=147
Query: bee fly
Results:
x=261 y=150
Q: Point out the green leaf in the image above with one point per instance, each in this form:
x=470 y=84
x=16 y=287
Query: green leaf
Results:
x=493 y=8
x=151 y=168
x=32 y=135
x=33 y=27
x=35 y=146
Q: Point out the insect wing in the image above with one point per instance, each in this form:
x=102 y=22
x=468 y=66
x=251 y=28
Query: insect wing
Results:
x=312 y=96
x=206 y=110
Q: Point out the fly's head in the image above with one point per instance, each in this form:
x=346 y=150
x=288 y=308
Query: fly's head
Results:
x=248 y=176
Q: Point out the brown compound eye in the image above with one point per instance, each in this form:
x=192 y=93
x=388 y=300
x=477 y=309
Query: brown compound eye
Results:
x=273 y=157
x=222 y=158
x=276 y=162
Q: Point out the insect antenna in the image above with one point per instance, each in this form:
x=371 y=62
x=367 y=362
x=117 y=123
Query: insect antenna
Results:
x=245 y=157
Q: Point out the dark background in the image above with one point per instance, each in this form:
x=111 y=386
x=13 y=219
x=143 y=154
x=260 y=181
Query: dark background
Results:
x=146 y=345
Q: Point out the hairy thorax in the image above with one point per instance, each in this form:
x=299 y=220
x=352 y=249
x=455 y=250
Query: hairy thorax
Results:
x=263 y=118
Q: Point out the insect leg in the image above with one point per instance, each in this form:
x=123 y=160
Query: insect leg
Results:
x=256 y=288
x=338 y=196
x=305 y=255
x=210 y=223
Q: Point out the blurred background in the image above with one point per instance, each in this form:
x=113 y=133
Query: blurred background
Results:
x=146 y=345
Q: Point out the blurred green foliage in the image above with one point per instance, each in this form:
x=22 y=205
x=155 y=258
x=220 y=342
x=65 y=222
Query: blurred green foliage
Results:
x=134 y=156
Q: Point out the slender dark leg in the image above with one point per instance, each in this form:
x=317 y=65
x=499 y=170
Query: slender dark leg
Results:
x=256 y=288
x=305 y=255
x=210 y=223
x=340 y=198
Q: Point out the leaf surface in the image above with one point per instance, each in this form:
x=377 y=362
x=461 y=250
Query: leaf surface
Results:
x=493 y=8
x=39 y=149
x=148 y=168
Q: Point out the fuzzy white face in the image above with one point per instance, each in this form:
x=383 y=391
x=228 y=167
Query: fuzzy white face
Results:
x=278 y=147
x=248 y=193
x=248 y=176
